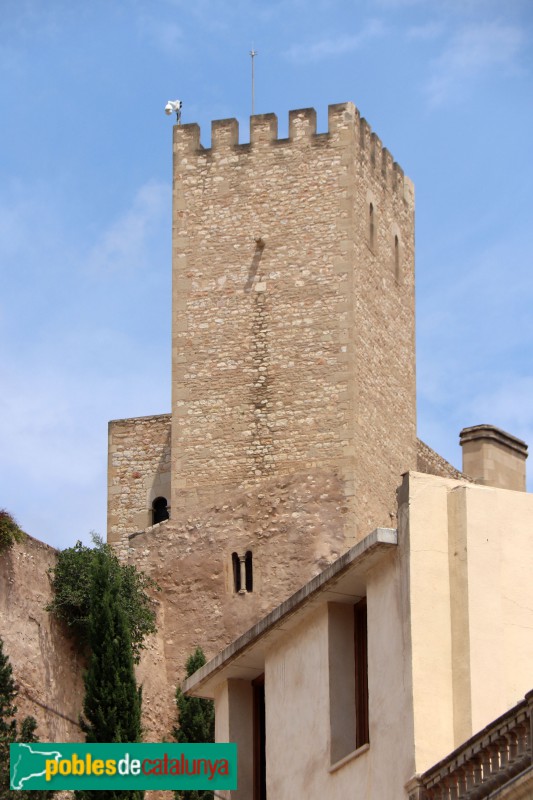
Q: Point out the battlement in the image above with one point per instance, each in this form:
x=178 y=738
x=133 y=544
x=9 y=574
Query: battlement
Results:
x=345 y=127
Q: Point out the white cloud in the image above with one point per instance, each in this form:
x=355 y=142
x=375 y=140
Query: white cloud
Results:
x=125 y=243
x=332 y=46
x=474 y=50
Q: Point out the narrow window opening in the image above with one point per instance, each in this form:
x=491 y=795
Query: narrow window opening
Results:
x=249 y=572
x=361 y=674
x=236 y=563
x=371 y=226
x=159 y=510
x=397 y=258
x=258 y=686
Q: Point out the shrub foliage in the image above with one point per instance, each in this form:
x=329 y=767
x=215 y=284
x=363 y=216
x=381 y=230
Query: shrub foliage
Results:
x=9 y=530
x=71 y=581
x=196 y=721
x=112 y=703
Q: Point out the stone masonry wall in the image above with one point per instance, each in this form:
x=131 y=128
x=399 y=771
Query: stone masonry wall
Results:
x=299 y=531
x=293 y=333
x=45 y=663
x=430 y=462
x=138 y=472
x=293 y=411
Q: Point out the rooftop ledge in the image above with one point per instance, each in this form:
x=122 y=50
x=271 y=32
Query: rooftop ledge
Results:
x=342 y=581
x=491 y=433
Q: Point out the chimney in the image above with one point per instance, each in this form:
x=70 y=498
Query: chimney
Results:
x=493 y=457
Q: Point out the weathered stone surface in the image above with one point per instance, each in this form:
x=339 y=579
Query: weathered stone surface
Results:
x=293 y=381
x=138 y=472
x=46 y=666
x=298 y=531
x=430 y=462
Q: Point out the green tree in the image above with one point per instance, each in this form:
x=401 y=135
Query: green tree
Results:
x=9 y=733
x=9 y=530
x=71 y=582
x=196 y=721
x=112 y=703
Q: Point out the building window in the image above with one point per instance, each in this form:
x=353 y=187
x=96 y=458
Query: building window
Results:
x=397 y=258
x=242 y=569
x=371 y=226
x=236 y=564
x=248 y=571
x=348 y=678
x=258 y=686
x=361 y=674
x=159 y=510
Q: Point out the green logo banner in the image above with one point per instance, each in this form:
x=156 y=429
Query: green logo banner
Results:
x=70 y=766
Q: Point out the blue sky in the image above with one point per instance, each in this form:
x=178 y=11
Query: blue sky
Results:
x=85 y=196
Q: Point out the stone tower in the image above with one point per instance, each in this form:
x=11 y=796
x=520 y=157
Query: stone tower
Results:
x=293 y=318
x=293 y=377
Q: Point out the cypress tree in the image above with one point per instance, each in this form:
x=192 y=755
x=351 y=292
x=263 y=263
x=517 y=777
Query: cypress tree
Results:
x=9 y=733
x=112 y=703
x=196 y=722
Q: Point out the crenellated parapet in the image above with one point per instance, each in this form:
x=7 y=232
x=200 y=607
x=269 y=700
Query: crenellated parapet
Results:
x=345 y=127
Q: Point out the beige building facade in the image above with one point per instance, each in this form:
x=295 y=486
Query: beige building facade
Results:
x=449 y=604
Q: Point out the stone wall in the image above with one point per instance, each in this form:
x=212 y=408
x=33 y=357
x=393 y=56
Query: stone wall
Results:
x=46 y=666
x=138 y=472
x=293 y=314
x=430 y=462
x=301 y=523
x=293 y=407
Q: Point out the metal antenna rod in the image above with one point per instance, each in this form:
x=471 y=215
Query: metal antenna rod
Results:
x=253 y=54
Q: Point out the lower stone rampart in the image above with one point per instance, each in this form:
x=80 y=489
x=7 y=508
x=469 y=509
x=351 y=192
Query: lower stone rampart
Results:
x=46 y=666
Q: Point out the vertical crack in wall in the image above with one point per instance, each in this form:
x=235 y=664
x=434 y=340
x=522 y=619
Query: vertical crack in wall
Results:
x=261 y=447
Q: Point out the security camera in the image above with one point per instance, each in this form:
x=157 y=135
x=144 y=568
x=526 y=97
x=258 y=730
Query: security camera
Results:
x=174 y=107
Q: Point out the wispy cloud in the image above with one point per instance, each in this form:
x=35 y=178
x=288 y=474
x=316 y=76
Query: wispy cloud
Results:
x=473 y=51
x=64 y=327
x=425 y=32
x=125 y=243
x=337 y=45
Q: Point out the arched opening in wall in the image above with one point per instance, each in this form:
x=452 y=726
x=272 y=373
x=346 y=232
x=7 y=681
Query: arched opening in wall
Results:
x=248 y=571
x=371 y=226
x=397 y=258
x=236 y=565
x=159 y=510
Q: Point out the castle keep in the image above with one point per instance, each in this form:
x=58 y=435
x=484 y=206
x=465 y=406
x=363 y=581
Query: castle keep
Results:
x=293 y=329
x=293 y=374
